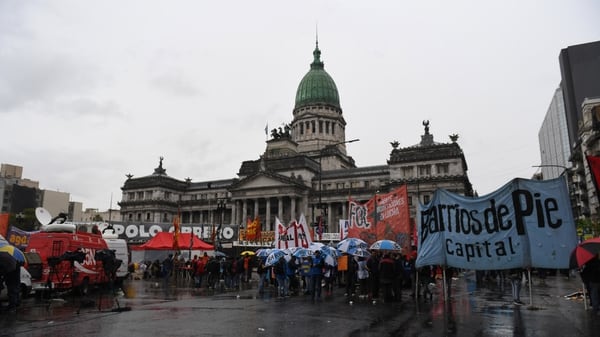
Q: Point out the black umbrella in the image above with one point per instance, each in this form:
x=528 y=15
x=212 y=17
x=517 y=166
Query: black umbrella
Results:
x=7 y=263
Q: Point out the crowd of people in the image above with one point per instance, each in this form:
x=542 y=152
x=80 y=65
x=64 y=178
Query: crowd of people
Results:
x=205 y=271
x=381 y=275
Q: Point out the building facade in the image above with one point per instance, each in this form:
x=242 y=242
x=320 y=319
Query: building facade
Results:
x=305 y=169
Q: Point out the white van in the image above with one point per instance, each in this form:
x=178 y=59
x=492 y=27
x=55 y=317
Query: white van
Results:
x=121 y=251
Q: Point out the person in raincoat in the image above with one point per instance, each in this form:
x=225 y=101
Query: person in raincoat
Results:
x=10 y=273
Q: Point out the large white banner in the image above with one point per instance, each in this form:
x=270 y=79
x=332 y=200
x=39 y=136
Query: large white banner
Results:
x=525 y=223
x=296 y=234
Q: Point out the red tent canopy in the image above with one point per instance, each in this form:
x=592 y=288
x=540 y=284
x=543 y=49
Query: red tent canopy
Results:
x=164 y=241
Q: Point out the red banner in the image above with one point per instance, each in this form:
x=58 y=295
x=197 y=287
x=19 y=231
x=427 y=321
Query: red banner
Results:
x=4 y=224
x=385 y=216
x=594 y=164
x=253 y=229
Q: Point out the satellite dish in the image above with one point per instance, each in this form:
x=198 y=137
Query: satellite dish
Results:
x=43 y=216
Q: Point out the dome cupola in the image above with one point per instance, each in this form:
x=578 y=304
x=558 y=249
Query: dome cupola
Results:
x=317 y=87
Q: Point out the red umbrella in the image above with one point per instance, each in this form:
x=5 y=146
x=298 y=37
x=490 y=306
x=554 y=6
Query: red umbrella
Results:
x=584 y=252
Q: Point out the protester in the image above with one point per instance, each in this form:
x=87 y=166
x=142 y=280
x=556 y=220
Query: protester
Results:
x=516 y=278
x=386 y=276
x=291 y=268
x=305 y=274
x=373 y=267
x=199 y=269
x=362 y=275
x=10 y=272
x=316 y=273
x=167 y=269
x=262 y=272
x=592 y=275
x=398 y=277
x=280 y=275
x=351 y=276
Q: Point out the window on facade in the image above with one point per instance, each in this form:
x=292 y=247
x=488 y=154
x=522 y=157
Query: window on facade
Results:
x=407 y=172
x=410 y=202
x=320 y=126
x=307 y=126
x=167 y=195
x=443 y=168
x=131 y=196
x=366 y=183
x=426 y=199
x=140 y=195
x=147 y=216
x=340 y=186
x=424 y=170
x=139 y=216
x=301 y=128
x=165 y=218
x=130 y=217
x=333 y=128
x=326 y=127
x=313 y=126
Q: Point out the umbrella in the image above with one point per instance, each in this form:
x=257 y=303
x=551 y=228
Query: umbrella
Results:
x=275 y=255
x=220 y=254
x=362 y=252
x=303 y=252
x=263 y=252
x=247 y=252
x=14 y=251
x=7 y=263
x=327 y=250
x=314 y=246
x=350 y=244
x=330 y=260
x=584 y=252
x=386 y=245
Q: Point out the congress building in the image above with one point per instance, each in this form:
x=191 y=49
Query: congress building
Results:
x=305 y=169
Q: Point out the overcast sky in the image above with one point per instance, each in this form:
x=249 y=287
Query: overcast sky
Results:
x=93 y=90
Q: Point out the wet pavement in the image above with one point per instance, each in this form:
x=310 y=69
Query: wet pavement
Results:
x=148 y=309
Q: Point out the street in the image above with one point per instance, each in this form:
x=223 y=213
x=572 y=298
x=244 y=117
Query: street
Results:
x=148 y=309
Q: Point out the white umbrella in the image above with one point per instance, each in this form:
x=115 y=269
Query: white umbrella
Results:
x=275 y=255
x=386 y=245
x=363 y=252
x=350 y=244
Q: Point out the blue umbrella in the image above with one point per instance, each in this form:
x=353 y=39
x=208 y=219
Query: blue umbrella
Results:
x=349 y=244
x=263 y=252
x=362 y=252
x=386 y=245
x=275 y=255
x=14 y=251
x=327 y=250
x=303 y=252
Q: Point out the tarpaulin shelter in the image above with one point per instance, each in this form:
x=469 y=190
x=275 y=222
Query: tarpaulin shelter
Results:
x=164 y=241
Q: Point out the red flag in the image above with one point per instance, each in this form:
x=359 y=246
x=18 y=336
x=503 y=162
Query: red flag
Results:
x=594 y=164
x=176 y=230
x=257 y=228
x=385 y=216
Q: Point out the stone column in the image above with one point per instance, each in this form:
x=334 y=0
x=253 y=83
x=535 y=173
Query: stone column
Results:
x=244 y=211
x=293 y=208
x=329 y=224
x=280 y=209
x=255 y=209
x=268 y=215
x=234 y=219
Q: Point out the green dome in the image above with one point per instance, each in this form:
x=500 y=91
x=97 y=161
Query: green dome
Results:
x=317 y=87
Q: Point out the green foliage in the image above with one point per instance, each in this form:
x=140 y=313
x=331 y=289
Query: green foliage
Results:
x=25 y=220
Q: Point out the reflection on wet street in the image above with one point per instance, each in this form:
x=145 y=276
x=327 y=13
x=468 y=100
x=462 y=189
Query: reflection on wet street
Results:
x=144 y=307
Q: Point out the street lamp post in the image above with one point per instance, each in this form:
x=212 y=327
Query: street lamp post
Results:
x=321 y=152
x=221 y=206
